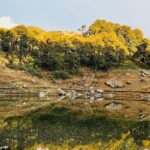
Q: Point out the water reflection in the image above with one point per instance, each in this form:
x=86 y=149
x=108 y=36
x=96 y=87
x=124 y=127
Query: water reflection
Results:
x=67 y=124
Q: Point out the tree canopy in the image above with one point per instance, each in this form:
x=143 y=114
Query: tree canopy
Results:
x=101 y=46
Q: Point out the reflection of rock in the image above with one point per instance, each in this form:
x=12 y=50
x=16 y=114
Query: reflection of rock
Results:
x=92 y=93
x=100 y=99
x=141 y=116
x=61 y=98
x=113 y=106
x=73 y=94
x=110 y=95
x=88 y=94
x=115 y=84
x=99 y=91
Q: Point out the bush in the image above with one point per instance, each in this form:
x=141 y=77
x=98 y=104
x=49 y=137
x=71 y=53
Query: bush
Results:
x=128 y=65
x=32 y=70
x=61 y=75
x=107 y=59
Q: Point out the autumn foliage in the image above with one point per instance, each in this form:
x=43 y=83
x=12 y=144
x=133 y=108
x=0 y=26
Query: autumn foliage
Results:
x=102 y=46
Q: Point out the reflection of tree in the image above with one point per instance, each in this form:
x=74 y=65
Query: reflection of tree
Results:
x=142 y=131
x=17 y=133
x=60 y=126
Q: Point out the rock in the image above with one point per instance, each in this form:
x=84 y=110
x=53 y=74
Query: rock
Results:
x=92 y=91
x=110 y=95
x=24 y=103
x=61 y=92
x=148 y=97
x=24 y=85
x=79 y=94
x=4 y=148
x=92 y=98
x=115 y=84
x=142 y=116
x=128 y=82
x=113 y=106
x=92 y=78
x=142 y=79
x=98 y=95
x=72 y=93
x=145 y=74
x=89 y=93
x=99 y=91
x=42 y=94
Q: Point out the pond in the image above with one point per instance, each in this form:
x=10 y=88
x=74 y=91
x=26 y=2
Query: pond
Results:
x=33 y=123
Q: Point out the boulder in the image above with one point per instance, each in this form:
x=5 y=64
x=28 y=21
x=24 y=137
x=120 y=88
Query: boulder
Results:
x=113 y=106
x=115 y=84
x=145 y=74
x=61 y=92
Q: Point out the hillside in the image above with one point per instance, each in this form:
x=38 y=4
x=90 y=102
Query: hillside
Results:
x=13 y=77
x=103 y=52
x=130 y=77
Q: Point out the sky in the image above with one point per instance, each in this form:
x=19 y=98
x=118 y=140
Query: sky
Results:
x=71 y=14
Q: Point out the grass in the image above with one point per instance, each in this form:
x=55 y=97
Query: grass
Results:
x=128 y=65
x=32 y=70
x=27 y=68
x=132 y=65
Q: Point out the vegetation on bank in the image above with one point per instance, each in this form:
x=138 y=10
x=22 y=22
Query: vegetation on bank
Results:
x=100 y=47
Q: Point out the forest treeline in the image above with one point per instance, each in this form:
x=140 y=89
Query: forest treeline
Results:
x=101 y=46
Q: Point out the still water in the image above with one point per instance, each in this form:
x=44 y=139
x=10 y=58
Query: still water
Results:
x=52 y=123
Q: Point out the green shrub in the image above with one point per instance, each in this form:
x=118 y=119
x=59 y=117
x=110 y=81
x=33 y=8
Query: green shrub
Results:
x=32 y=70
x=72 y=61
x=61 y=75
x=128 y=64
x=107 y=59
